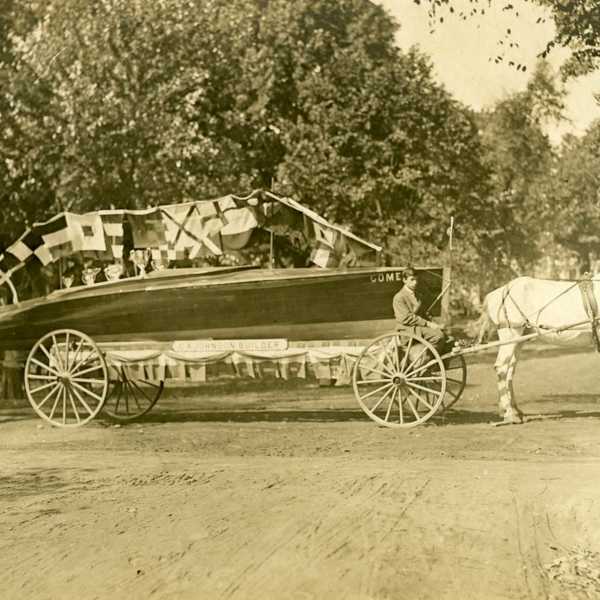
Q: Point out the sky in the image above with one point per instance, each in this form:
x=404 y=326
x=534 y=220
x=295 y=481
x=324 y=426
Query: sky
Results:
x=463 y=54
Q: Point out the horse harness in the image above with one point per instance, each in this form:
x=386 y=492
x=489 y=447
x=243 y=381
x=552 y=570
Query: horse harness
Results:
x=586 y=288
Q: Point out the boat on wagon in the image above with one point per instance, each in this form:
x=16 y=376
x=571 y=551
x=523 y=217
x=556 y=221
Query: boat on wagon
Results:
x=66 y=332
x=220 y=303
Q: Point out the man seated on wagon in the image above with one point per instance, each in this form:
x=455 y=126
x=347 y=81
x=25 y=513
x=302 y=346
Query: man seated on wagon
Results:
x=410 y=316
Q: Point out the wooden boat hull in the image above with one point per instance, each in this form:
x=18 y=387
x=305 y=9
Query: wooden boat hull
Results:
x=294 y=304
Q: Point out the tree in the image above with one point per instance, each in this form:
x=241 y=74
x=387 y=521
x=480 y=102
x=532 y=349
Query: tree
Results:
x=571 y=198
x=577 y=26
x=16 y=20
x=520 y=158
x=132 y=103
x=374 y=141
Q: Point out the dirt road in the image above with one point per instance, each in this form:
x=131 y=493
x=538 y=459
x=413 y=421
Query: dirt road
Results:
x=290 y=492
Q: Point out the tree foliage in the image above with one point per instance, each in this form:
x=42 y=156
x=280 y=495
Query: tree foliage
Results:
x=571 y=197
x=132 y=103
x=520 y=158
x=577 y=26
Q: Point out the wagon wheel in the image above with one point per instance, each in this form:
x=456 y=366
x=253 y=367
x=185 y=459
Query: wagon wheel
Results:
x=399 y=380
x=456 y=380
x=66 y=378
x=130 y=396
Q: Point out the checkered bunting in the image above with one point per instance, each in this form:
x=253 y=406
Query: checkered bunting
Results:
x=165 y=254
x=29 y=245
x=21 y=250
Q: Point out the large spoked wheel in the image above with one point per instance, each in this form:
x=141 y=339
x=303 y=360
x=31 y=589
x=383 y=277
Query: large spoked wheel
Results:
x=66 y=378
x=399 y=380
x=456 y=380
x=130 y=396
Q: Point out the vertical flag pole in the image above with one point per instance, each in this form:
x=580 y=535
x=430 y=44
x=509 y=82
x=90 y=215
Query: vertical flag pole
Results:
x=447 y=275
x=271 y=244
x=271 y=237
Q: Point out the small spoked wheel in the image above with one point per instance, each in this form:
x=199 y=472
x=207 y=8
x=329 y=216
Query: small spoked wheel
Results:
x=399 y=380
x=66 y=378
x=130 y=396
x=456 y=380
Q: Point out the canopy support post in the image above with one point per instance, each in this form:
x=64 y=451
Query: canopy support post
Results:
x=5 y=278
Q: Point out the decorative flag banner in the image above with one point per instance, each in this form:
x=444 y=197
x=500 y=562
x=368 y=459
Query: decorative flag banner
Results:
x=323 y=256
x=20 y=250
x=179 y=219
x=164 y=254
x=239 y=220
x=112 y=223
x=23 y=248
x=43 y=254
x=241 y=223
x=58 y=239
x=8 y=262
x=184 y=227
x=225 y=203
x=324 y=235
x=62 y=236
x=148 y=229
x=211 y=246
x=88 y=232
x=193 y=228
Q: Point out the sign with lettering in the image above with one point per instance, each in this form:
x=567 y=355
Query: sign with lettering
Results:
x=264 y=345
x=386 y=277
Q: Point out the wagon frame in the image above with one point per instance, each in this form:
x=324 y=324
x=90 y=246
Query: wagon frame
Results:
x=399 y=379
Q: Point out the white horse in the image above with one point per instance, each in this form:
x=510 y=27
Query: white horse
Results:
x=557 y=312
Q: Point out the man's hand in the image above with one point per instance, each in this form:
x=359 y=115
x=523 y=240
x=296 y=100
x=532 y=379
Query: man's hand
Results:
x=433 y=325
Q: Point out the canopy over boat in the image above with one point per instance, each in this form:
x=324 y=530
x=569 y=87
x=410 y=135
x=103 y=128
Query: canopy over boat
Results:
x=183 y=232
